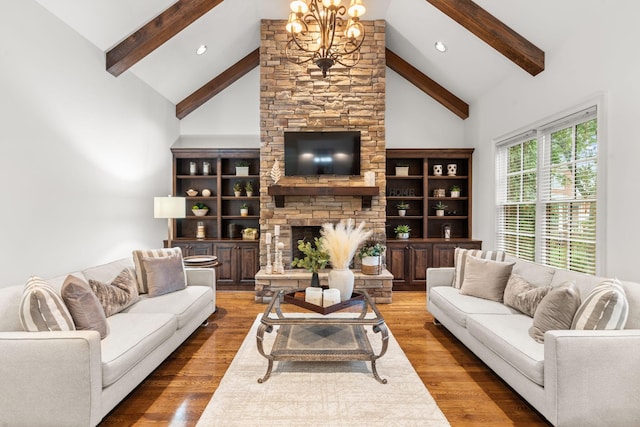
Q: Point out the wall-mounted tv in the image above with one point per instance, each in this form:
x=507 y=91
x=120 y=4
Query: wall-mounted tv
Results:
x=322 y=153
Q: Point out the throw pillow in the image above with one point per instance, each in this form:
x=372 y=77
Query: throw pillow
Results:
x=141 y=273
x=117 y=295
x=460 y=257
x=164 y=275
x=83 y=304
x=555 y=311
x=486 y=279
x=42 y=309
x=606 y=307
x=524 y=296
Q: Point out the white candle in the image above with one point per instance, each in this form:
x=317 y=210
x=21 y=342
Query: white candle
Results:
x=313 y=295
x=268 y=238
x=330 y=297
x=276 y=230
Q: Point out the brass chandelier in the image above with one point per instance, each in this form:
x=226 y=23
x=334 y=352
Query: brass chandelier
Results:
x=319 y=33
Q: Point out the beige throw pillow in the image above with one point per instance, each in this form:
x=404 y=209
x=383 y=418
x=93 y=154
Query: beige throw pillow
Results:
x=606 y=307
x=117 y=295
x=42 y=309
x=164 y=275
x=555 y=311
x=84 y=306
x=524 y=296
x=486 y=279
x=460 y=258
x=141 y=273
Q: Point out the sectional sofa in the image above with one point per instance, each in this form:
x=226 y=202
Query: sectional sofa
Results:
x=575 y=377
x=74 y=378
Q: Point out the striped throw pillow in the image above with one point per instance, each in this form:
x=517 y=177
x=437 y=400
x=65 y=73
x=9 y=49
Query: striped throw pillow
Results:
x=42 y=309
x=460 y=258
x=141 y=273
x=606 y=307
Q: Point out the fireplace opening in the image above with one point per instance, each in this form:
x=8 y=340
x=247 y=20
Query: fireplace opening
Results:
x=306 y=233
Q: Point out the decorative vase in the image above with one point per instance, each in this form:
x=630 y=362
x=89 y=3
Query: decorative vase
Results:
x=439 y=212
x=343 y=280
x=315 y=280
x=455 y=193
x=244 y=212
x=402 y=212
x=402 y=235
x=249 y=193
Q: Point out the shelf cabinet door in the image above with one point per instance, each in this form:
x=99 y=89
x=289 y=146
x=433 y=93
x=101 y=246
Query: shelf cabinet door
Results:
x=408 y=262
x=397 y=261
x=443 y=253
x=249 y=263
x=239 y=263
x=420 y=256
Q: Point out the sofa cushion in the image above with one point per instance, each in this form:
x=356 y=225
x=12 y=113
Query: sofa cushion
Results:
x=555 y=311
x=132 y=338
x=535 y=274
x=184 y=304
x=164 y=275
x=460 y=258
x=507 y=337
x=141 y=273
x=10 y=298
x=459 y=306
x=106 y=273
x=606 y=307
x=118 y=294
x=83 y=304
x=524 y=296
x=42 y=309
x=632 y=291
x=484 y=278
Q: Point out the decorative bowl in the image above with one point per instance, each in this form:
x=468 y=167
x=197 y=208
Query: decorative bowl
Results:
x=199 y=212
x=191 y=192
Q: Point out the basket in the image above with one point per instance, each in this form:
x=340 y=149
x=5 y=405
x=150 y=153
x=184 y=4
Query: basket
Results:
x=372 y=265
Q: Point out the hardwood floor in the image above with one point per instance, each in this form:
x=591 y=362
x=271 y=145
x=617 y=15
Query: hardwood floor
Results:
x=468 y=392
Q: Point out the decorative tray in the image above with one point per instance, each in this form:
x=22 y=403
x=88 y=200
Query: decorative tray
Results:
x=297 y=298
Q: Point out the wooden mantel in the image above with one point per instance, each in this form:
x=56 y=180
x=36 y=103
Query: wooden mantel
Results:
x=280 y=191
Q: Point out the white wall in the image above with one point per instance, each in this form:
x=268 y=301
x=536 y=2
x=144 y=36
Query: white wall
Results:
x=82 y=153
x=413 y=119
x=600 y=58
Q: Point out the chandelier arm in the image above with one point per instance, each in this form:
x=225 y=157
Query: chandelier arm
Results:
x=287 y=51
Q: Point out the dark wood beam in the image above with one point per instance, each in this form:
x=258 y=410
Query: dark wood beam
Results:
x=218 y=84
x=427 y=85
x=154 y=33
x=494 y=32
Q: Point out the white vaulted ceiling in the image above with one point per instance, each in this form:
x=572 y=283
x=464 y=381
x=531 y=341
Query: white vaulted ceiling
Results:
x=469 y=68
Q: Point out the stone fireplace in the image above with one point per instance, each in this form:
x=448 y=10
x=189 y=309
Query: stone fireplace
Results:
x=297 y=98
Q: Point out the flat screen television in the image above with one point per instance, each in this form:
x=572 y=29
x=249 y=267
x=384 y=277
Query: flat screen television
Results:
x=322 y=153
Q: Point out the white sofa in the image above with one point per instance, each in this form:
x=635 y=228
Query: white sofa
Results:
x=74 y=378
x=575 y=378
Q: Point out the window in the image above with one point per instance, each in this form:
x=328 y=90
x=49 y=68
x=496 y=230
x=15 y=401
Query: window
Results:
x=547 y=193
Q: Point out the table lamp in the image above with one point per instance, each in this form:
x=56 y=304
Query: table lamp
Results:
x=170 y=208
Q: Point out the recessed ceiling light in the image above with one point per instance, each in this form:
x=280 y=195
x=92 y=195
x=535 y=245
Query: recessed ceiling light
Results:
x=440 y=47
x=201 y=50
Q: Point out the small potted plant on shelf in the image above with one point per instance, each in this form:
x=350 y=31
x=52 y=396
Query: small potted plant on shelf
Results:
x=440 y=207
x=200 y=209
x=237 y=188
x=248 y=188
x=371 y=256
x=242 y=168
x=402 y=231
x=315 y=258
x=402 y=208
x=244 y=209
x=402 y=169
x=455 y=191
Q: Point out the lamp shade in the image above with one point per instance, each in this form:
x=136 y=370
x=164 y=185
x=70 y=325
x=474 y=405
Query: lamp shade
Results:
x=169 y=207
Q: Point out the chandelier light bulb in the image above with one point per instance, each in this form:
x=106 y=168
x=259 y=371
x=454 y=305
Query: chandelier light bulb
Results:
x=353 y=29
x=293 y=25
x=329 y=3
x=356 y=9
x=299 y=6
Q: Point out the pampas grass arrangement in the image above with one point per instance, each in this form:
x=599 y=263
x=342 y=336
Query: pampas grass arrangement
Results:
x=342 y=240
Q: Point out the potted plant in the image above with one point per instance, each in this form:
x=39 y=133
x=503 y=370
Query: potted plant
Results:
x=402 y=231
x=402 y=169
x=244 y=209
x=440 y=207
x=402 y=208
x=455 y=191
x=248 y=188
x=371 y=256
x=237 y=188
x=200 y=209
x=315 y=258
x=242 y=168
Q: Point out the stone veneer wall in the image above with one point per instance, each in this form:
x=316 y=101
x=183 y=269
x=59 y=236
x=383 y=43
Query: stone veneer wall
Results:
x=296 y=98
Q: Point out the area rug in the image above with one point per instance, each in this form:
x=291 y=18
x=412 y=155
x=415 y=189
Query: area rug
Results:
x=320 y=393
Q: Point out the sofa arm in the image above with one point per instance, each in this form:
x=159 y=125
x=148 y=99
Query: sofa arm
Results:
x=50 y=378
x=442 y=276
x=591 y=378
x=201 y=277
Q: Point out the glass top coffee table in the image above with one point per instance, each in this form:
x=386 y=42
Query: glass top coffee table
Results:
x=308 y=333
